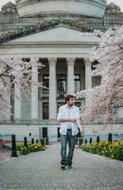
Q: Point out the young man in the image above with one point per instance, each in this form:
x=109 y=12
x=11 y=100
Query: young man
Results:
x=69 y=117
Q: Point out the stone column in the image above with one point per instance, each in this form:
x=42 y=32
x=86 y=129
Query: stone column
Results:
x=88 y=77
x=34 y=92
x=17 y=101
x=40 y=105
x=70 y=79
x=40 y=92
x=52 y=89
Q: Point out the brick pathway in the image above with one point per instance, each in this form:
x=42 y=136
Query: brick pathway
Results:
x=41 y=171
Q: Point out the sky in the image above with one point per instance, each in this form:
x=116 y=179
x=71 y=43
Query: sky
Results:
x=118 y=2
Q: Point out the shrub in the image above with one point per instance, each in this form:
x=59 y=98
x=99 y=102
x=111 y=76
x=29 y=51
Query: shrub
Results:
x=113 y=150
x=30 y=148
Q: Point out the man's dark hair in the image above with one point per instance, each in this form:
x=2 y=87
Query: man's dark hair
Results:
x=68 y=97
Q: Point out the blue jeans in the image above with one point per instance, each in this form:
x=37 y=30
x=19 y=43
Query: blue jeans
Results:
x=71 y=140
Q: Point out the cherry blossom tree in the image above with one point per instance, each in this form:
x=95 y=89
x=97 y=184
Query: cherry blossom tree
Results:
x=15 y=72
x=103 y=102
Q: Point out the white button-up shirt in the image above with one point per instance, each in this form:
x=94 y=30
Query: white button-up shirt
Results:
x=66 y=112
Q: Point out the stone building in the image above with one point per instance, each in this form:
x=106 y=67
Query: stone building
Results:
x=8 y=15
x=56 y=33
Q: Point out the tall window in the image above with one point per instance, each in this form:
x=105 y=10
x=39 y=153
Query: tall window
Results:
x=76 y=82
x=45 y=110
x=61 y=85
x=45 y=83
x=96 y=80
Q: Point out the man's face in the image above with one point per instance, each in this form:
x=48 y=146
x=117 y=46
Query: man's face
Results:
x=71 y=101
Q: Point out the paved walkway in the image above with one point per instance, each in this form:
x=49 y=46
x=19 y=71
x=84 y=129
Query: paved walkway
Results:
x=41 y=171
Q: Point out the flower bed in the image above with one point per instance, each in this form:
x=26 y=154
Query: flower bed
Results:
x=113 y=150
x=30 y=148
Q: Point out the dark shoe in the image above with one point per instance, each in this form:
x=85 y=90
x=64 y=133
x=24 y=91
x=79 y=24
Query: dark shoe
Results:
x=69 y=166
x=63 y=167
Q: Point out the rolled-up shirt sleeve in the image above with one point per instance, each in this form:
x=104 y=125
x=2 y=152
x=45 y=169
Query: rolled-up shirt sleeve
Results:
x=59 y=116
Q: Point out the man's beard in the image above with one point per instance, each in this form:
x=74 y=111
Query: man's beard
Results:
x=71 y=105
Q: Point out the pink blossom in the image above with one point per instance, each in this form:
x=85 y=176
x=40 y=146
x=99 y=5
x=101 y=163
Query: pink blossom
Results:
x=103 y=101
x=15 y=71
